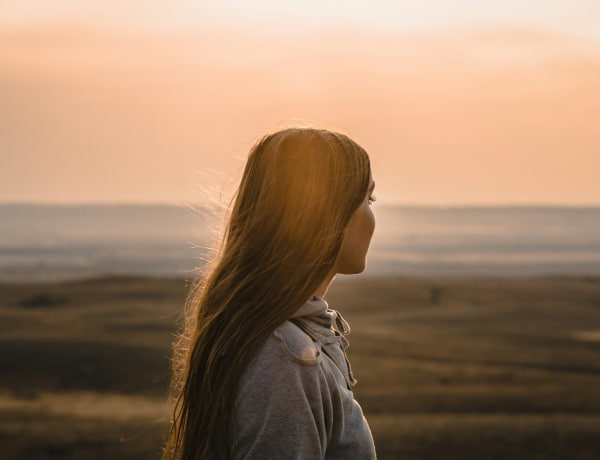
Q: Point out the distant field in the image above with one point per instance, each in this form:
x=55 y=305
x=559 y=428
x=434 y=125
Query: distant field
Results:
x=455 y=368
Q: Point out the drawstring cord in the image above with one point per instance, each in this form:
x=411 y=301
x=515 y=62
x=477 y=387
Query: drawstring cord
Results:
x=341 y=325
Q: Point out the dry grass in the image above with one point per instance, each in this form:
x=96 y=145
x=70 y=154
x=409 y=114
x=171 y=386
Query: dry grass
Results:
x=448 y=368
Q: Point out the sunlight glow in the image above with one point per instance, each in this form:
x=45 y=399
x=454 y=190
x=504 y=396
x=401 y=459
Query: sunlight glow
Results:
x=457 y=101
x=579 y=17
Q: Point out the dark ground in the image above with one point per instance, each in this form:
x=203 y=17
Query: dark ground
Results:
x=486 y=369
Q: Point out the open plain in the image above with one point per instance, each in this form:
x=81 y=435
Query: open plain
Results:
x=447 y=368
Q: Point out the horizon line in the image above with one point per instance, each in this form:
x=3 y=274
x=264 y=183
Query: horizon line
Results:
x=176 y=203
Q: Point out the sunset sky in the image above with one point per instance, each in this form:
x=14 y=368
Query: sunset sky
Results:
x=458 y=102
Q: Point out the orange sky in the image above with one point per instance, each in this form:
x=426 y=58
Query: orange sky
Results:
x=476 y=114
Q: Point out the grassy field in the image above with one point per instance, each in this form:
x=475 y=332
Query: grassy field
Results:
x=483 y=369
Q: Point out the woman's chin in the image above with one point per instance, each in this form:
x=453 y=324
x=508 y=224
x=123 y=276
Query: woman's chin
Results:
x=353 y=269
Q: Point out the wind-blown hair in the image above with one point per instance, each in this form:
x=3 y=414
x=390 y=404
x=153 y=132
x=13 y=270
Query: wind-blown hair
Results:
x=298 y=191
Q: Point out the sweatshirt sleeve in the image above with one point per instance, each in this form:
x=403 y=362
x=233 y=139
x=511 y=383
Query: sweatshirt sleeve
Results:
x=283 y=407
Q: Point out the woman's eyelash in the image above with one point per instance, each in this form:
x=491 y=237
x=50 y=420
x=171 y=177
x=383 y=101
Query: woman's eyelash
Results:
x=372 y=198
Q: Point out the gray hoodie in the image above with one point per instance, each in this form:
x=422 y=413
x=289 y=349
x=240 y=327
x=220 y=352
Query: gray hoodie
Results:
x=295 y=399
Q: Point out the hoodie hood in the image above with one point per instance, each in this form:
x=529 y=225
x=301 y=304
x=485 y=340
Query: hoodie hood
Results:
x=316 y=310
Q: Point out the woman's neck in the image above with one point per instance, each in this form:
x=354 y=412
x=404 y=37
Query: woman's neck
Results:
x=322 y=289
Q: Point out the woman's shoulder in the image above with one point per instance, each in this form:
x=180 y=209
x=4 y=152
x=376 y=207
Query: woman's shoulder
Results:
x=286 y=347
x=288 y=355
x=298 y=346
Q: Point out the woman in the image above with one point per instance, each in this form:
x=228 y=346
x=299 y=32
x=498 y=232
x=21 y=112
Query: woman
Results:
x=261 y=371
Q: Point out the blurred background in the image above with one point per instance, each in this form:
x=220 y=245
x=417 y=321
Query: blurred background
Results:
x=123 y=130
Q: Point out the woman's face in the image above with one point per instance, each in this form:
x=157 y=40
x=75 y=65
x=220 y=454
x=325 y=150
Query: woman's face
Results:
x=357 y=236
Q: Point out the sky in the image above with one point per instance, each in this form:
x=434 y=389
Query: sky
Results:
x=457 y=102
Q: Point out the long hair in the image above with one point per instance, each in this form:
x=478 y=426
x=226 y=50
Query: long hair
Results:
x=298 y=191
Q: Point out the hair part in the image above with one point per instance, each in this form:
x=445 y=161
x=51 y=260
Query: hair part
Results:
x=299 y=189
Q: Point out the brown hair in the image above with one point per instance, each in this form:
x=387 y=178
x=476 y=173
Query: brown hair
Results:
x=298 y=191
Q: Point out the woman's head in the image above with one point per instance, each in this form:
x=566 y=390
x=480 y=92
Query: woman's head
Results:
x=301 y=213
x=298 y=193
